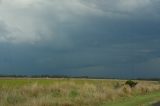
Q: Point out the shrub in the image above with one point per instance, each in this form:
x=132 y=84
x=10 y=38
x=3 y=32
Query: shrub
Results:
x=131 y=83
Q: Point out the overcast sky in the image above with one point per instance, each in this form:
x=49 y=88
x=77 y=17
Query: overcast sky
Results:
x=114 y=38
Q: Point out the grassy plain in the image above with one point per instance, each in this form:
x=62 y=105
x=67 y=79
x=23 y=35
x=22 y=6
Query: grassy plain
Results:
x=75 y=92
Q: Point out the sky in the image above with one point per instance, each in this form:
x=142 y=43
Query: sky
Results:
x=107 y=38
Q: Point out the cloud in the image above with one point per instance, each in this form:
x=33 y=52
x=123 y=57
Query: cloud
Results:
x=3 y=31
x=31 y=21
x=131 y=5
x=74 y=36
x=119 y=6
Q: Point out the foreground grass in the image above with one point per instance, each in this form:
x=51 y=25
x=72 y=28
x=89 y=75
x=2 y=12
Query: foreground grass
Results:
x=138 y=100
x=74 y=92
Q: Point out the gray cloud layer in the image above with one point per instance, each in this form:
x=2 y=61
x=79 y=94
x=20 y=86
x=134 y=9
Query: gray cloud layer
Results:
x=80 y=37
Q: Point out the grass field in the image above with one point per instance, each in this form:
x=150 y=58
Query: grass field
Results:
x=137 y=100
x=76 y=92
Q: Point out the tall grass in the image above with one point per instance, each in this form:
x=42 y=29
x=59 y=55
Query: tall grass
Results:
x=68 y=92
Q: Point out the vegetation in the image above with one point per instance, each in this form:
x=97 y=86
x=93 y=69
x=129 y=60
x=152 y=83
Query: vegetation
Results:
x=138 y=100
x=69 y=92
x=65 y=76
x=131 y=83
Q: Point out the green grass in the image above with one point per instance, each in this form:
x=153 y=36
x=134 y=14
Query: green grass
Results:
x=75 y=92
x=138 y=100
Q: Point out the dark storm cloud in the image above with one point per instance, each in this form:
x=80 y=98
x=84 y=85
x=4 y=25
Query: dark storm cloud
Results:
x=80 y=37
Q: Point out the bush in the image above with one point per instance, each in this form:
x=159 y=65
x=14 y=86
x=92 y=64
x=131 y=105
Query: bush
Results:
x=131 y=83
